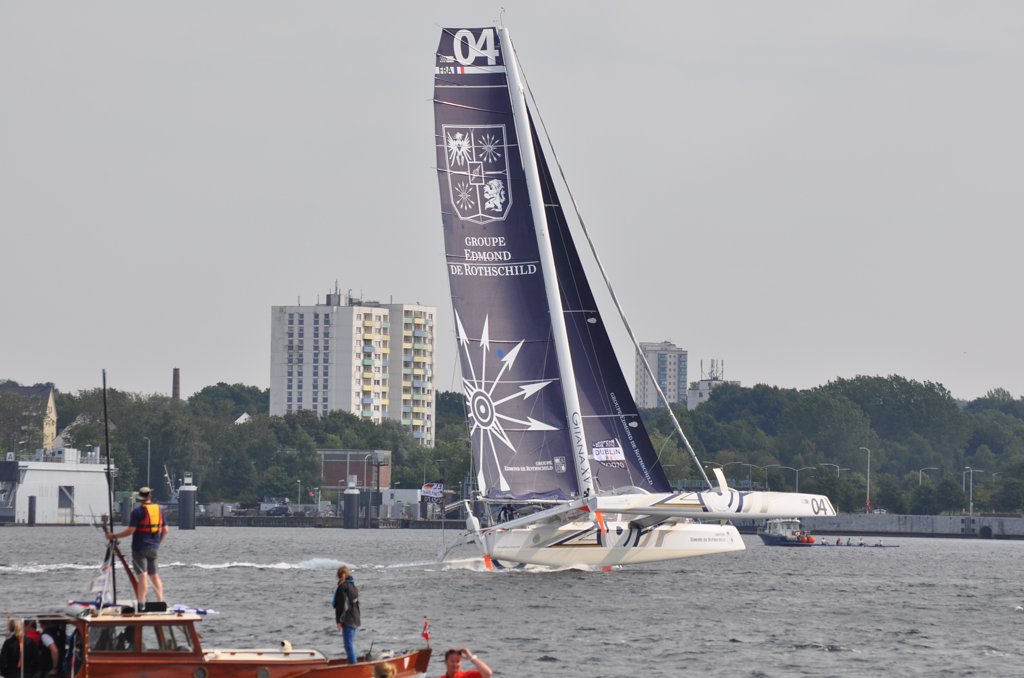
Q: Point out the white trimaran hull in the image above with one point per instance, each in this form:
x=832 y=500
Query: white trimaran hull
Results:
x=637 y=528
x=579 y=543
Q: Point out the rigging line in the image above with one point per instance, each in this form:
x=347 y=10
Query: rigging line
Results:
x=607 y=282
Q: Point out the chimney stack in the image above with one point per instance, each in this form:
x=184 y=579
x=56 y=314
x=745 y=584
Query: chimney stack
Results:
x=176 y=385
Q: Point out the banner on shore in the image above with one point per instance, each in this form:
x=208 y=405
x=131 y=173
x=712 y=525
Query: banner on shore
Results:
x=433 y=492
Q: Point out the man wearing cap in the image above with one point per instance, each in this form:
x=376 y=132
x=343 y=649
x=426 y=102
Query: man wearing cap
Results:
x=148 y=529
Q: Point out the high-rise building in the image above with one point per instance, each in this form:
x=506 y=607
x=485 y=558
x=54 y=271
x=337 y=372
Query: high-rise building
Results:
x=668 y=362
x=371 y=359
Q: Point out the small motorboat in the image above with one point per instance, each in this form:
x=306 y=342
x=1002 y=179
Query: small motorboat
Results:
x=117 y=641
x=101 y=639
x=784 y=532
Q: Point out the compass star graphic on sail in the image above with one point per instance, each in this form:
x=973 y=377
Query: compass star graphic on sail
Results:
x=485 y=408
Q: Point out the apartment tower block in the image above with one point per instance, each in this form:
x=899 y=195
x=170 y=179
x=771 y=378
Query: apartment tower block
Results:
x=371 y=359
x=668 y=362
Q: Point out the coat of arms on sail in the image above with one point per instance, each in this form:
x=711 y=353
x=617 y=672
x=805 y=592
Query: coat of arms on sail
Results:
x=477 y=164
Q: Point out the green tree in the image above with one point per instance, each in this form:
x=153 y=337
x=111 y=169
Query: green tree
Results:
x=20 y=428
x=230 y=401
x=820 y=426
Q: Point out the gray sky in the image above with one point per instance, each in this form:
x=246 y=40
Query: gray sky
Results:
x=804 y=190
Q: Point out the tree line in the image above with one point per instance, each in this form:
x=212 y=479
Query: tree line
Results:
x=921 y=442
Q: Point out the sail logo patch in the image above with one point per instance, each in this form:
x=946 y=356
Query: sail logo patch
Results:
x=608 y=453
x=476 y=157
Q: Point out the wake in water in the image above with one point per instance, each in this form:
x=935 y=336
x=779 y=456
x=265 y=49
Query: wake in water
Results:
x=325 y=564
x=477 y=565
x=36 y=568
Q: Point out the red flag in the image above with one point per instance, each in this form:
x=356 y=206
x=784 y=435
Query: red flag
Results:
x=426 y=630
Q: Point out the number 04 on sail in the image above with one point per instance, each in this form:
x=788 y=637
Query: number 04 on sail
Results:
x=554 y=428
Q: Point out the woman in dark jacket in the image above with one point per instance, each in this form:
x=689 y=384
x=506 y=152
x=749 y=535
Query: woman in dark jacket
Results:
x=10 y=652
x=346 y=610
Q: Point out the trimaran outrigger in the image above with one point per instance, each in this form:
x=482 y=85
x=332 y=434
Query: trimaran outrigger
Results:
x=556 y=436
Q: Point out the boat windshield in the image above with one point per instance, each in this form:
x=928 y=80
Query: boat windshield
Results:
x=166 y=638
x=141 y=638
x=111 y=638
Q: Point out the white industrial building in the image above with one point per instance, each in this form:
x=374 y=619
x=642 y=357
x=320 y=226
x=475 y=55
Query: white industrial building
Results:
x=709 y=381
x=59 y=487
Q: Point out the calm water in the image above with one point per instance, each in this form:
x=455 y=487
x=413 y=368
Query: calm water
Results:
x=933 y=607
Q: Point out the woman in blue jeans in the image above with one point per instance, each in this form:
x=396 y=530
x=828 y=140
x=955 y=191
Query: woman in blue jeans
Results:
x=346 y=610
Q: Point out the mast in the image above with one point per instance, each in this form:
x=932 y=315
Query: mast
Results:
x=110 y=496
x=573 y=411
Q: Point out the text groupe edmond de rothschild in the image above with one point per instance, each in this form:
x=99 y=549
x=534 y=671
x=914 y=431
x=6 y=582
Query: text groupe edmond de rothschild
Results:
x=490 y=270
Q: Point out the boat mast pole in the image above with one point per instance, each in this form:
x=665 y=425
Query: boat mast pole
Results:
x=110 y=496
x=573 y=411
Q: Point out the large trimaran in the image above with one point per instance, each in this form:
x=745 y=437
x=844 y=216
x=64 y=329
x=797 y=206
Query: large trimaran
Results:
x=556 y=437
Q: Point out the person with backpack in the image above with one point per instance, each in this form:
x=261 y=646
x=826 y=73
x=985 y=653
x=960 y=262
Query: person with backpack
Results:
x=346 y=610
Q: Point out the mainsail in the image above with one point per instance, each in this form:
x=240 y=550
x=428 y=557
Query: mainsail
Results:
x=509 y=367
x=522 y=433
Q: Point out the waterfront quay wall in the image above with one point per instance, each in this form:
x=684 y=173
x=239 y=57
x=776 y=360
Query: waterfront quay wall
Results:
x=874 y=524
x=332 y=522
x=850 y=524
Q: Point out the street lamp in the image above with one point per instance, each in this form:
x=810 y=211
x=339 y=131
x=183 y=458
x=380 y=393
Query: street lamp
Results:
x=971 y=471
x=802 y=468
x=835 y=465
x=838 y=468
x=926 y=468
x=750 y=483
x=298 y=491
x=147 y=459
x=867 y=500
x=797 y=470
x=723 y=466
x=766 y=467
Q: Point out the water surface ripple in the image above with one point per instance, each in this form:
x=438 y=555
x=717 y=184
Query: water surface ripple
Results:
x=933 y=607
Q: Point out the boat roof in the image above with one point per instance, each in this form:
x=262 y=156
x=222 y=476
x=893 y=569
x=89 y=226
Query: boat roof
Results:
x=108 y=615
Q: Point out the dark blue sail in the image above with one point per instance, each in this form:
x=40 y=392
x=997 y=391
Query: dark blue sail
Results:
x=510 y=371
x=620 y=450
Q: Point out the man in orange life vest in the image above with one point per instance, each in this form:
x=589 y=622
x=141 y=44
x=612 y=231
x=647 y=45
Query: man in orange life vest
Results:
x=148 y=529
